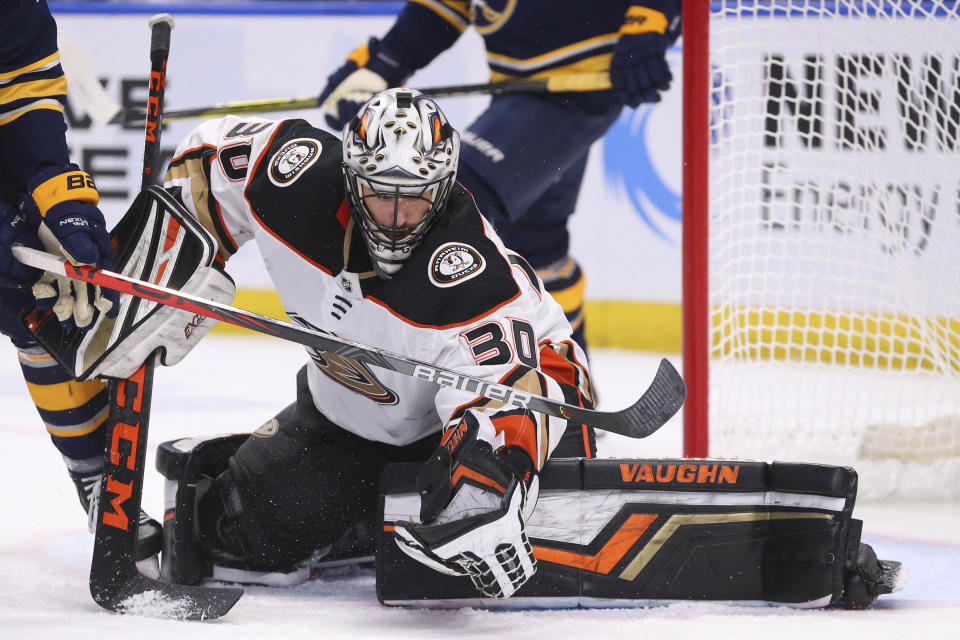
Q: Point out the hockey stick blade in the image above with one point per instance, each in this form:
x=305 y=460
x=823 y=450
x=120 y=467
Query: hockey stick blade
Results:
x=139 y=594
x=649 y=413
x=660 y=402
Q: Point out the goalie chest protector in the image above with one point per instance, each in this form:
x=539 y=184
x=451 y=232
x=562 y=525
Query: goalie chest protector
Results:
x=627 y=532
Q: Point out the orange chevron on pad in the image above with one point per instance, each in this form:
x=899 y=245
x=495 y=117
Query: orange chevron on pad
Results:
x=604 y=560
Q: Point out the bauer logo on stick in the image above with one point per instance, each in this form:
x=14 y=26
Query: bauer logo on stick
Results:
x=292 y=159
x=454 y=263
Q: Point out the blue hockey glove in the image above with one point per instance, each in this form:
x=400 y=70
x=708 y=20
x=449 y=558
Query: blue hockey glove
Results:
x=15 y=229
x=638 y=69
x=15 y=278
x=369 y=69
x=70 y=224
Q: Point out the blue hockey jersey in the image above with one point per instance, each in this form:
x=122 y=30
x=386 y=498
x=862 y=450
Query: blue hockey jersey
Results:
x=523 y=38
x=33 y=93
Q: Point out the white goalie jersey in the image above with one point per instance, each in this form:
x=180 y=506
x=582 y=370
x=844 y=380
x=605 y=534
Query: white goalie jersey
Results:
x=461 y=300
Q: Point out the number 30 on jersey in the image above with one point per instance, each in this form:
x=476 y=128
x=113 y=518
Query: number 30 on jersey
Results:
x=491 y=343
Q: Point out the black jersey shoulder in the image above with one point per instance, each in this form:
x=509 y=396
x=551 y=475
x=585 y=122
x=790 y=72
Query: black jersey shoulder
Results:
x=296 y=190
x=418 y=295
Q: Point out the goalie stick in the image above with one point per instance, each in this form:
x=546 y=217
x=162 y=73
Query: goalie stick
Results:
x=658 y=404
x=115 y=582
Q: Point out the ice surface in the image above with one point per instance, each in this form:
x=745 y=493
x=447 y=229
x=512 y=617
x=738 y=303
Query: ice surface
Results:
x=231 y=384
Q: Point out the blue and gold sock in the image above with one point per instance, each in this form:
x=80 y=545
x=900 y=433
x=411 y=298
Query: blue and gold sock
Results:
x=566 y=283
x=74 y=413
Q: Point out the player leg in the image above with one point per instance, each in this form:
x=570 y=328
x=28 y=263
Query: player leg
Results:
x=63 y=371
x=294 y=486
x=75 y=415
x=542 y=237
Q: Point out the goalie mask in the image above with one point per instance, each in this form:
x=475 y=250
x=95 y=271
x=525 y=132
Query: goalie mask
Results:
x=400 y=163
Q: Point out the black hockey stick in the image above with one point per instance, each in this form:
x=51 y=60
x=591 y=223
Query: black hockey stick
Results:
x=658 y=404
x=115 y=582
x=593 y=81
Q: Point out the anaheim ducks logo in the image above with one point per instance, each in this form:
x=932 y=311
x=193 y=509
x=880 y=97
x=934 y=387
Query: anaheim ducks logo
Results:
x=354 y=375
x=292 y=159
x=348 y=371
x=489 y=15
x=454 y=263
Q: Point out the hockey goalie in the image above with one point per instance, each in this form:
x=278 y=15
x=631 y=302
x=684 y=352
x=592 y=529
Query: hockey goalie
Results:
x=461 y=499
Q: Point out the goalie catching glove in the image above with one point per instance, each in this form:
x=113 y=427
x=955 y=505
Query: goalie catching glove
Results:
x=474 y=503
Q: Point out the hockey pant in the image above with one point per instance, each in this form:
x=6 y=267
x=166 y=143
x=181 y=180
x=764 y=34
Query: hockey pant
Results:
x=268 y=501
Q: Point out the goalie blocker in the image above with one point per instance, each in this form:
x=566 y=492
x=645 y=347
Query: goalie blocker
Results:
x=158 y=241
x=631 y=532
x=605 y=533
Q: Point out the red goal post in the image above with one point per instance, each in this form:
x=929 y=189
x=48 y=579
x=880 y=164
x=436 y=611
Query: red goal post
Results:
x=696 y=316
x=821 y=216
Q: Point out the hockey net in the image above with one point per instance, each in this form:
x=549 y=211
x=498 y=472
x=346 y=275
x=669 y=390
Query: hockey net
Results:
x=831 y=319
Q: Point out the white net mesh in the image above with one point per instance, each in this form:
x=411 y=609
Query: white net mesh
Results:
x=834 y=234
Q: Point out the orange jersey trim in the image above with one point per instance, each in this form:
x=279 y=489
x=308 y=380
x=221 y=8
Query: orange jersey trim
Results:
x=588 y=453
x=557 y=367
x=581 y=377
x=519 y=430
x=466 y=405
x=343 y=215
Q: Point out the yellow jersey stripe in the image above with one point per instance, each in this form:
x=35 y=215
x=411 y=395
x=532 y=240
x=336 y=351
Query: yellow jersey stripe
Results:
x=74 y=432
x=587 y=65
x=45 y=88
x=451 y=15
x=51 y=60
x=607 y=39
x=10 y=116
x=64 y=396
